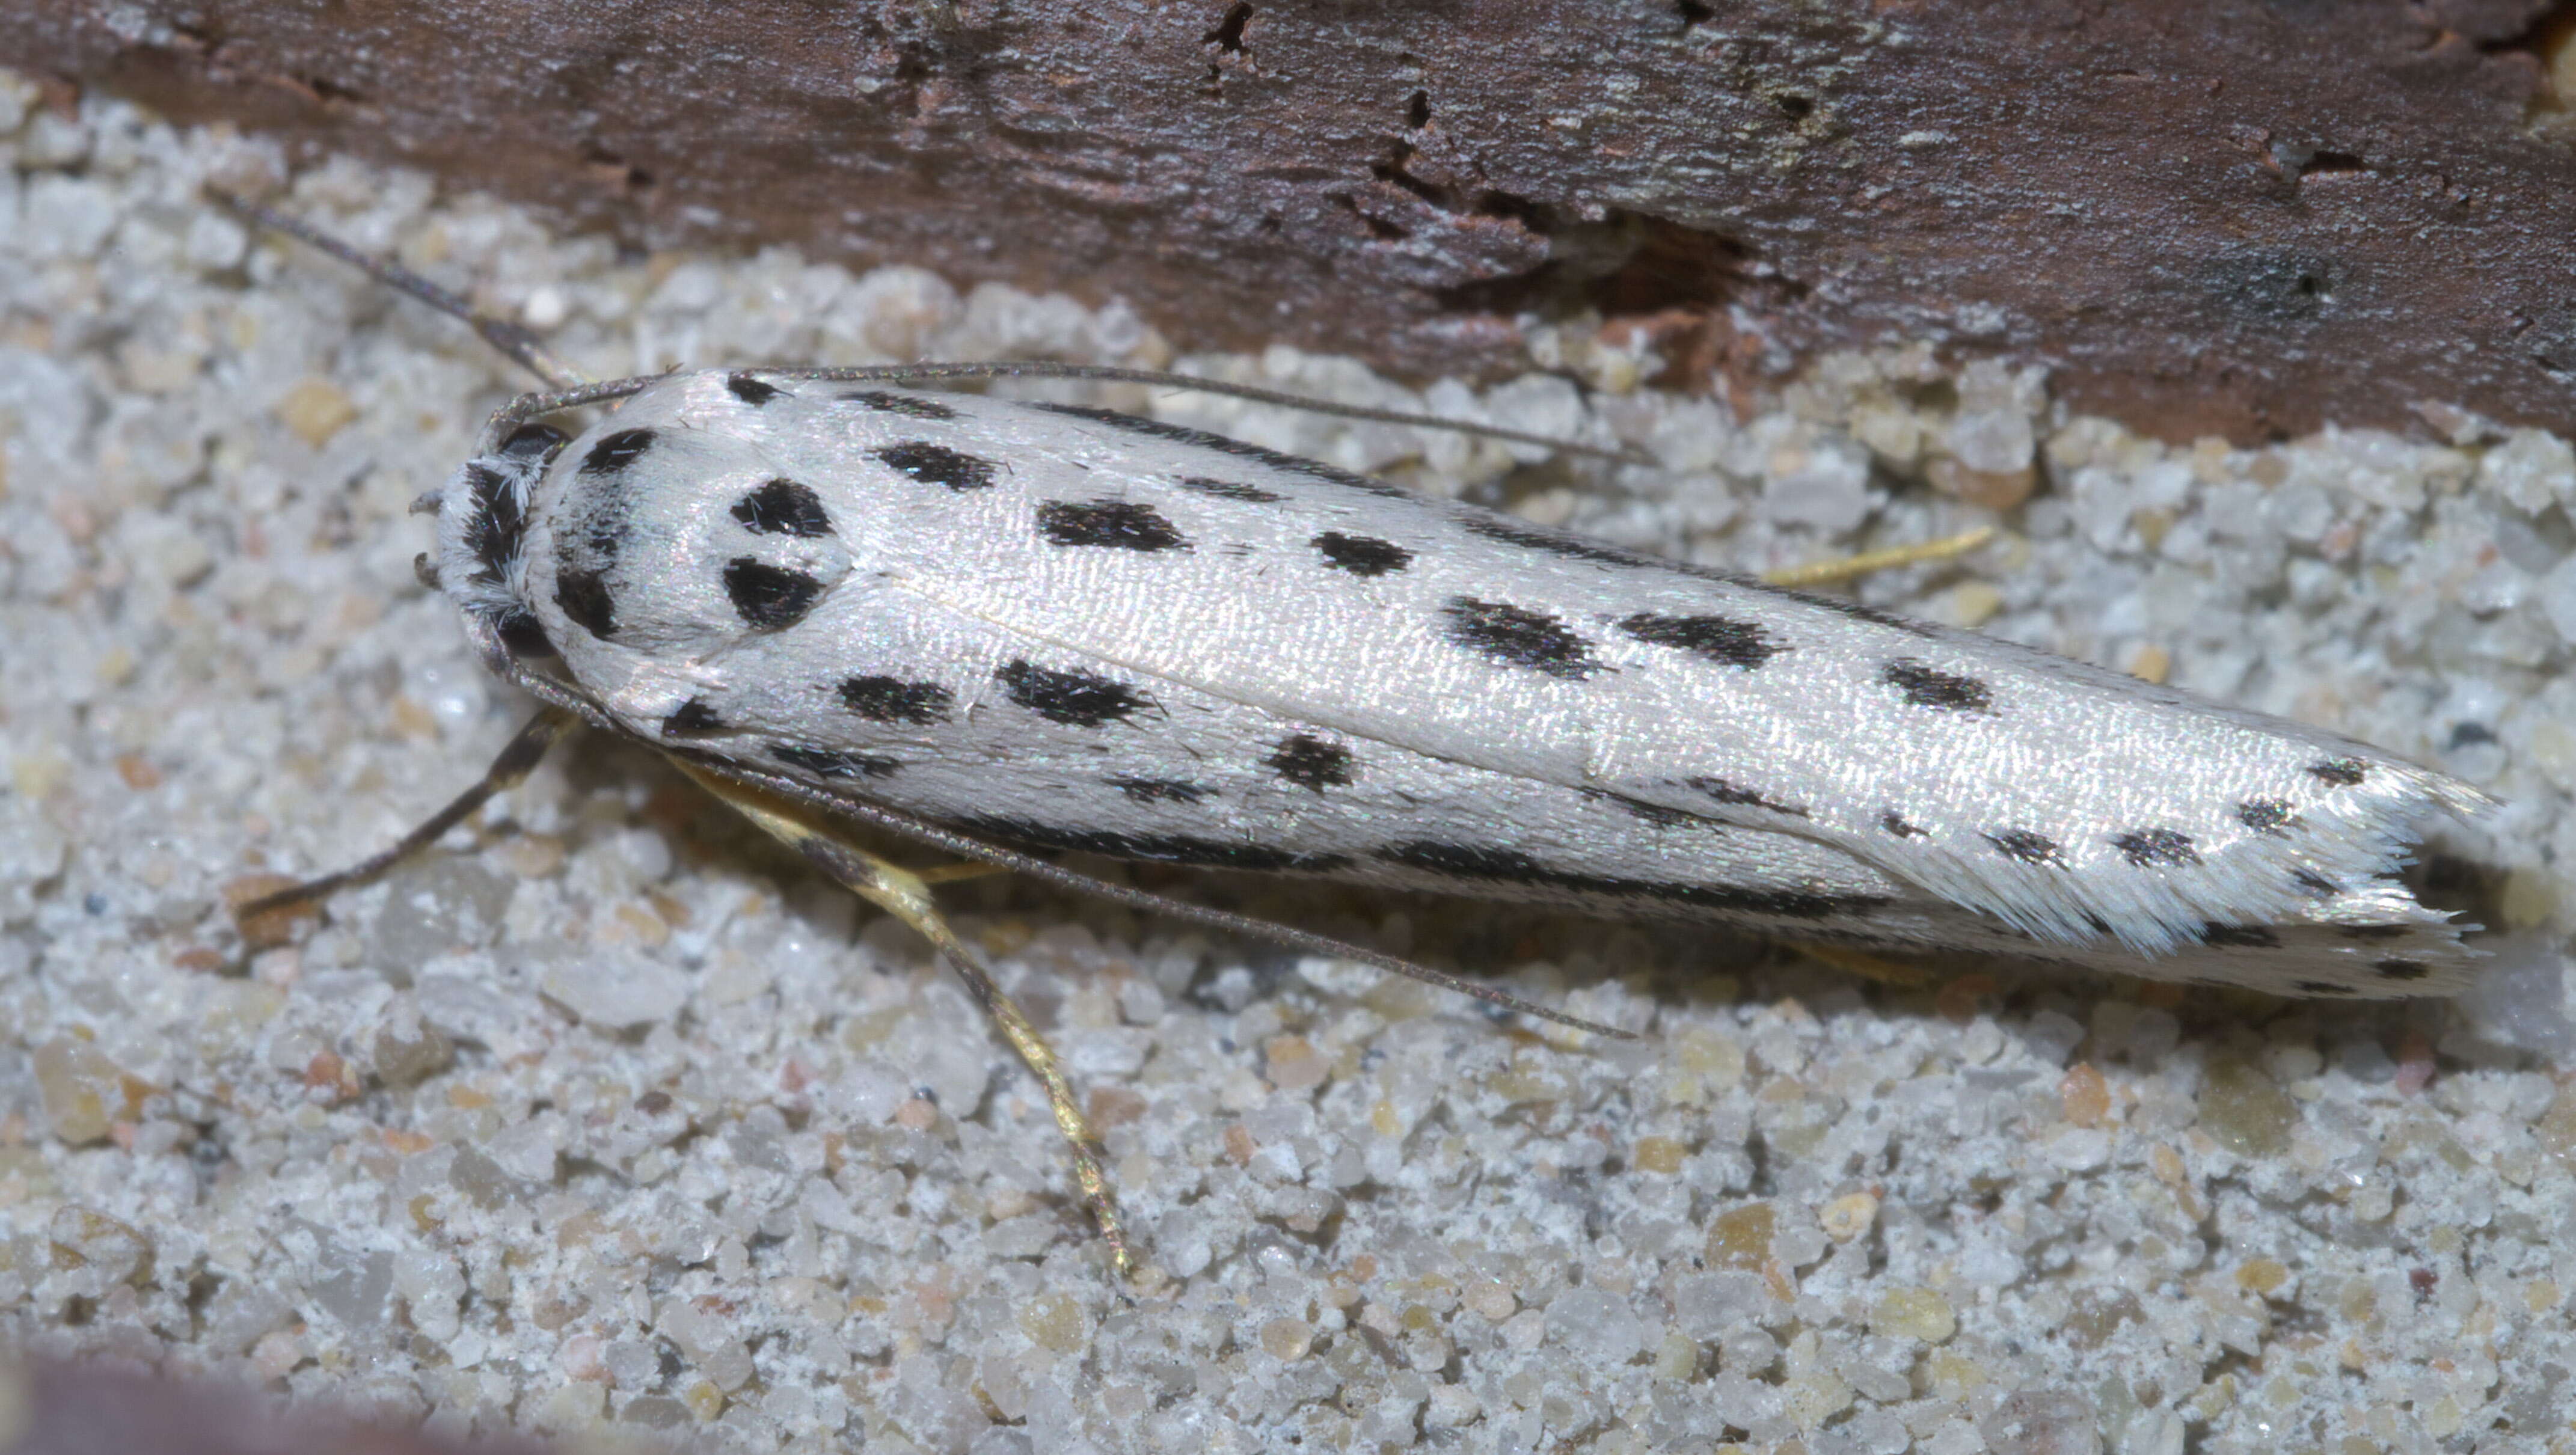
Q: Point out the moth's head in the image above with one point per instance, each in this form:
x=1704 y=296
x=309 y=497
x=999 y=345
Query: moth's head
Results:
x=666 y=531
x=483 y=513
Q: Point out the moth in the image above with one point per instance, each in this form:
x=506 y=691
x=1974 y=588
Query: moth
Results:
x=1006 y=629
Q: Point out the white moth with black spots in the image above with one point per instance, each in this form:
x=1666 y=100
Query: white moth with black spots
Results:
x=1009 y=628
x=1051 y=627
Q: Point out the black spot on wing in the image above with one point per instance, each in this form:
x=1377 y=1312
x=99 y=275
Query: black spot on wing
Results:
x=1161 y=848
x=783 y=507
x=583 y=596
x=1123 y=525
x=2265 y=815
x=2401 y=969
x=1228 y=490
x=1719 y=639
x=2374 y=932
x=938 y=465
x=1516 y=636
x=1360 y=555
x=2340 y=772
x=1076 y=699
x=495 y=522
x=1182 y=434
x=891 y=699
x=1554 y=543
x=1925 y=686
x=691 y=717
x=910 y=406
x=750 y=390
x=2322 y=987
x=769 y=598
x=2315 y=883
x=2156 y=848
x=1895 y=823
x=1158 y=790
x=833 y=763
x=2239 y=937
x=1736 y=795
x=617 y=451
x=1310 y=762
x=1511 y=866
x=2027 y=847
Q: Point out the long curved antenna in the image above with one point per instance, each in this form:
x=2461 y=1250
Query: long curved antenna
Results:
x=517 y=341
x=568 y=387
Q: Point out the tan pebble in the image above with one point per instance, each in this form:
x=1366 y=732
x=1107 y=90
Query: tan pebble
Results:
x=1287 y=1340
x=1294 y=1065
x=532 y=856
x=2151 y=663
x=1972 y=604
x=634 y=924
x=315 y=410
x=703 y=1398
x=2084 y=1095
x=1056 y=1322
x=1660 y=1154
x=916 y=1114
x=1741 y=1237
x=1113 y=1106
x=1914 y=1313
x=2529 y=899
x=2262 y=1276
x=84 y=1093
x=1849 y=1216
x=2151 y=526
x=2556 y=1129
x=1490 y=1301
x=2244 y=1111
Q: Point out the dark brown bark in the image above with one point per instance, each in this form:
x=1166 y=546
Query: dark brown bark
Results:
x=2208 y=215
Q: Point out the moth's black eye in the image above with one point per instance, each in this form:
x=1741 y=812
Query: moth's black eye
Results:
x=523 y=635
x=533 y=442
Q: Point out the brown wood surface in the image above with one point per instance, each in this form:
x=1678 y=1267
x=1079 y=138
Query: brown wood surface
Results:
x=2208 y=215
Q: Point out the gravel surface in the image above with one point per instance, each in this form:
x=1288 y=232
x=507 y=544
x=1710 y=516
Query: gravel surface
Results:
x=607 y=1119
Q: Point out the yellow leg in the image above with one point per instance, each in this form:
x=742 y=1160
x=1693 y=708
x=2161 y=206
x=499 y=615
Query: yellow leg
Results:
x=1825 y=573
x=958 y=873
x=906 y=895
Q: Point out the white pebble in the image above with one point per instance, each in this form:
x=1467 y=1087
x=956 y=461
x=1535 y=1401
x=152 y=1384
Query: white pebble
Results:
x=616 y=991
x=2557 y=597
x=2531 y=469
x=1596 y=1326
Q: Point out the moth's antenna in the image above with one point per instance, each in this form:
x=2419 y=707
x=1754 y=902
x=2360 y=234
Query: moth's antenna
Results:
x=1116 y=373
x=517 y=341
x=529 y=351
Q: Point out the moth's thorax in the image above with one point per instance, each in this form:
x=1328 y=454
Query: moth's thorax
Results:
x=670 y=530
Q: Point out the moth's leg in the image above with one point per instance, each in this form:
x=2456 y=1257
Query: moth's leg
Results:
x=1825 y=573
x=511 y=768
x=904 y=894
